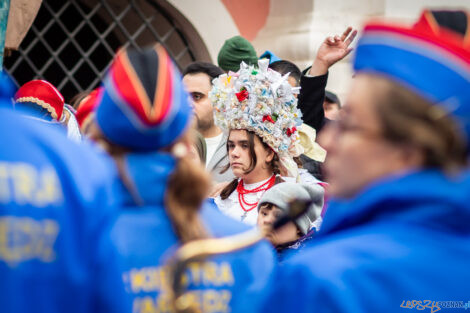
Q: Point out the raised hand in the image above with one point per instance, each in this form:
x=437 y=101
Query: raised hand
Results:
x=331 y=51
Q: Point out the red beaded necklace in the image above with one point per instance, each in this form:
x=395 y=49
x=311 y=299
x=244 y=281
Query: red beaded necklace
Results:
x=242 y=192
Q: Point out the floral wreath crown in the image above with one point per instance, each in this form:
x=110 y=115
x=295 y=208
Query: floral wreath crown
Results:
x=259 y=100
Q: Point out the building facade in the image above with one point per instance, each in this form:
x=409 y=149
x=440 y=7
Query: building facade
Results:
x=71 y=43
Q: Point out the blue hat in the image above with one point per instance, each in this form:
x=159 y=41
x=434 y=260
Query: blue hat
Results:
x=143 y=105
x=270 y=55
x=427 y=58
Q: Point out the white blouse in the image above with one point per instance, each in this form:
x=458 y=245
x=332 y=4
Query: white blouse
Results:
x=231 y=206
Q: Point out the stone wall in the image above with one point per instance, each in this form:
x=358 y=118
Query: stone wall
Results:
x=295 y=29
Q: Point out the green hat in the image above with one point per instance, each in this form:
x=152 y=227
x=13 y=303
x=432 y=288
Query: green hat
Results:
x=234 y=51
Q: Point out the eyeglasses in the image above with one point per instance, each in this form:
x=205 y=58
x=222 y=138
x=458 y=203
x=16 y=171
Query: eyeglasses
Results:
x=342 y=127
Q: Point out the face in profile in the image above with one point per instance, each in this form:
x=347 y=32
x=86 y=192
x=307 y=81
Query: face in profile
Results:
x=242 y=163
x=357 y=152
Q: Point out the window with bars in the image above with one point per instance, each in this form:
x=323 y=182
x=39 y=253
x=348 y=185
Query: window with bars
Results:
x=72 y=43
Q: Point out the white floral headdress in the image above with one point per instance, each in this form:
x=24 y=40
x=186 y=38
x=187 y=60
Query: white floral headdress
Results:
x=260 y=100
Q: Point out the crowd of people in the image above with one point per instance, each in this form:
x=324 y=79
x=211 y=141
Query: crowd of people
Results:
x=97 y=196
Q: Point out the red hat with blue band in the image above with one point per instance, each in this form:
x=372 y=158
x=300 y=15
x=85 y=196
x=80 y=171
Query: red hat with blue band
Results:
x=41 y=93
x=431 y=58
x=143 y=105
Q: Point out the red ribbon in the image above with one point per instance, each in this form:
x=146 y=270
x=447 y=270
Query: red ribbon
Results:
x=242 y=192
x=268 y=118
x=290 y=131
x=242 y=95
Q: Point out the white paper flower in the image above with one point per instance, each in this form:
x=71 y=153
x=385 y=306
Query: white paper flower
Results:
x=259 y=100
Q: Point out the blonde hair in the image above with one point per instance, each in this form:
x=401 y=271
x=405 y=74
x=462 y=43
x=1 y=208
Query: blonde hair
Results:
x=187 y=188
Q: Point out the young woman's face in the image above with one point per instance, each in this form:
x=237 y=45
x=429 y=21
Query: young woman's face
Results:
x=267 y=215
x=357 y=152
x=240 y=157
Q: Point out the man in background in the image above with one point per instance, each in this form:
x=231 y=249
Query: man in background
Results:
x=197 y=78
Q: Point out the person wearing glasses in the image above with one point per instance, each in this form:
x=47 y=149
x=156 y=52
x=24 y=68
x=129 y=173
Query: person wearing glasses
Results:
x=396 y=233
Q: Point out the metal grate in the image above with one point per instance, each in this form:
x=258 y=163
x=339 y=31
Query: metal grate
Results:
x=72 y=43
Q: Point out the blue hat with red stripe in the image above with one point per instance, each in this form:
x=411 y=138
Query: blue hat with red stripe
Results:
x=143 y=105
x=431 y=58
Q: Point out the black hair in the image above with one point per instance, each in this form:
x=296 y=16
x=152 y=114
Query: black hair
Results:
x=454 y=20
x=283 y=67
x=209 y=69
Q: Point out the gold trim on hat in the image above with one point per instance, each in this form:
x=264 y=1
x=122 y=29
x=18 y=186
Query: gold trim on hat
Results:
x=41 y=103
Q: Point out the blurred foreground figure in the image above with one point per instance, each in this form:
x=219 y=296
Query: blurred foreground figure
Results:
x=55 y=214
x=40 y=99
x=396 y=233
x=143 y=119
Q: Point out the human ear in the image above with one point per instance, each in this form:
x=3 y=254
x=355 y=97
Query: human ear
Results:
x=269 y=155
x=412 y=156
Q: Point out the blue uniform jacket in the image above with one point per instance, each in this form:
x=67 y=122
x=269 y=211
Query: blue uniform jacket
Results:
x=145 y=239
x=56 y=209
x=402 y=245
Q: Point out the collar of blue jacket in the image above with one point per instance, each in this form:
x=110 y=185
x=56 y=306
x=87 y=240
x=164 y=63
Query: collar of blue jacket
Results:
x=401 y=243
x=148 y=175
x=429 y=197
